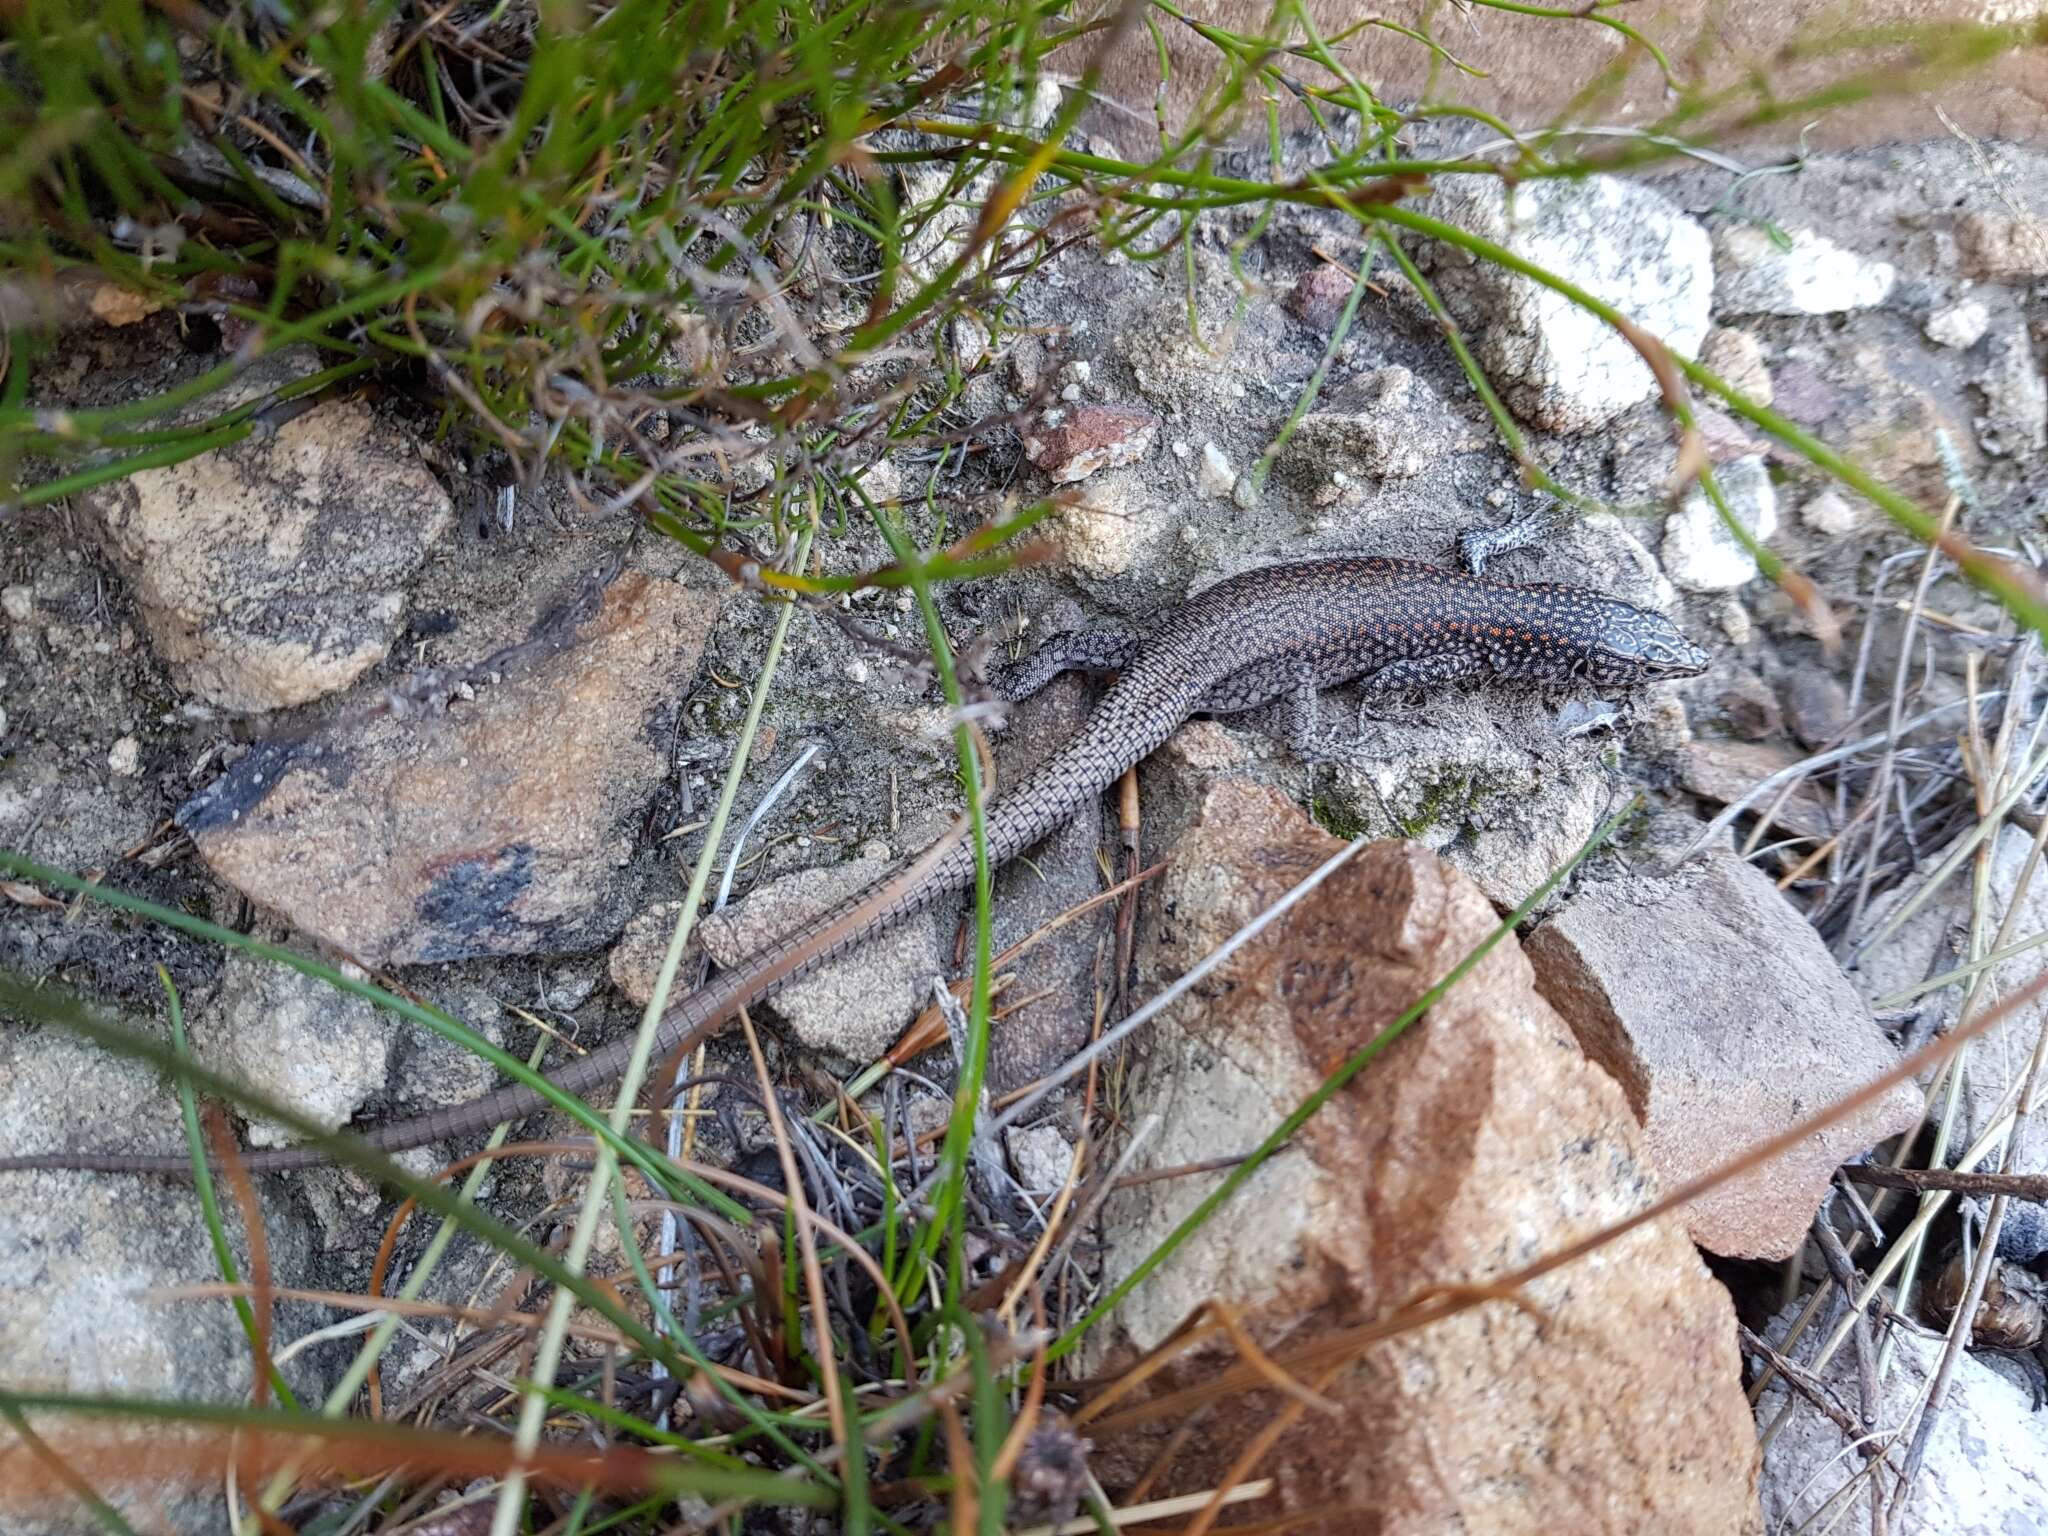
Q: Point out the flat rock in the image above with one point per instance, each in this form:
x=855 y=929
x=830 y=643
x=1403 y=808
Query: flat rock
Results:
x=497 y=828
x=1562 y=368
x=1700 y=554
x=1986 y=1461
x=1386 y=425
x=2001 y=247
x=1754 y=275
x=1721 y=1012
x=81 y=1255
x=1479 y=1141
x=1895 y=423
x=273 y=571
x=1725 y=771
x=1073 y=444
x=294 y=1039
x=854 y=1007
x=1816 y=707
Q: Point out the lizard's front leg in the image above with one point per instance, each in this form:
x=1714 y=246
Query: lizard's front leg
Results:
x=1417 y=674
x=1085 y=650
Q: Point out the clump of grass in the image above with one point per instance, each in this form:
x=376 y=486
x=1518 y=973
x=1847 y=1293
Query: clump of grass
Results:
x=705 y=263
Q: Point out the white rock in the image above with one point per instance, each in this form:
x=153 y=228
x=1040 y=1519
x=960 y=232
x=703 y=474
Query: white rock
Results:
x=1699 y=552
x=126 y=758
x=1563 y=368
x=1987 y=1460
x=1041 y=1156
x=882 y=481
x=1754 y=276
x=18 y=604
x=1959 y=325
x=295 y=1039
x=1832 y=513
x=1215 y=476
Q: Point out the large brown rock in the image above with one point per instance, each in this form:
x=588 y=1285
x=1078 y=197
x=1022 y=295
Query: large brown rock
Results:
x=1721 y=1012
x=1481 y=1140
x=498 y=828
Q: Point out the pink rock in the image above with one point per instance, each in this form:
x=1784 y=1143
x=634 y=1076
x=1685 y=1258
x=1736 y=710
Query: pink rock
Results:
x=1479 y=1140
x=1088 y=438
x=1318 y=296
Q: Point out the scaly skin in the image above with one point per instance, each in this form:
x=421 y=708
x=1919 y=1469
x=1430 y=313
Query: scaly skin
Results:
x=1281 y=631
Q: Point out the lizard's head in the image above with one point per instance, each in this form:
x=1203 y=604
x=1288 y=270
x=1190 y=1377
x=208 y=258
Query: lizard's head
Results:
x=1635 y=646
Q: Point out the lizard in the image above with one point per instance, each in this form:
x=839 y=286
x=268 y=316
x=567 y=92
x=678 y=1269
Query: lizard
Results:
x=1282 y=632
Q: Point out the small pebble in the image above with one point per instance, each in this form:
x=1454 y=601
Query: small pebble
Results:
x=1215 y=476
x=1959 y=325
x=126 y=758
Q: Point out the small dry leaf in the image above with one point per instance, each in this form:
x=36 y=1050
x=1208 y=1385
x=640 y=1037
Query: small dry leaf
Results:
x=22 y=894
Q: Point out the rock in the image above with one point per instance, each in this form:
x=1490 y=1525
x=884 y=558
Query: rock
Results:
x=294 y=1039
x=635 y=961
x=1738 y=357
x=1960 y=325
x=2015 y=419
x=1986 y=1461
x=947 y=212
x=1073 y=445
x=1726 y=438
x=1750 y=707
x=1798 y=391
x=2002 y=248
x=1117 y=520
x=17 y=604
x=125 y=757
x=1481 y=1140
x=1733 y=620
x=1726 y=771
x=1041 y=1157
x=1921 y=948
x=1187 y=369
x=1833 y=514
x=82 y=1255
x=1816 y=706
x=1319 y=295
x=856 y=1006
x=1386 y=425
x=1895 y=425
x=1755 y=276
x=1700 y=554
x=1214 y=474
x=498 y=828
x=273 y=571
x=1562 y=368
x=1721 y=1013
